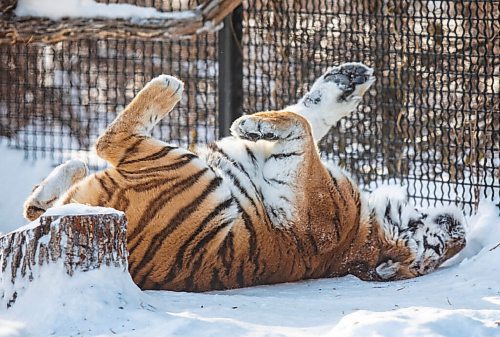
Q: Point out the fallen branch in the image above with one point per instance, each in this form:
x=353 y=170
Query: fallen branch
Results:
x=492 y=249
x=206 y=17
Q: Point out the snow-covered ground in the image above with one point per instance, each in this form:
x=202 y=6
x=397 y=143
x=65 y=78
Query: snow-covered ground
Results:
x=460 y=299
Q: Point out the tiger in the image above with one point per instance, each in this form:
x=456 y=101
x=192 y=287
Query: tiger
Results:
x=257 y=207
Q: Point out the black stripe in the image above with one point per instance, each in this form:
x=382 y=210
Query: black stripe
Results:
x=215 y=282
x=337 y=187
x=189 y=282
x=226 y=251
x=277 y=181
x=179 y=162
x=132 y=149
x=240 y=276
x=279 y=156
x=298 y=241
x=164 y=196
x=153 y=183
x=179 y=258
x=110 y=178
x=387 y=215
x=254 y=249
x=237 y=183
x=251 y=155
x=102 y=183
x=285 y=199
x=177 y=220
x=309 y=231
x=121 y=203
x=157 y=155
x=333 y=195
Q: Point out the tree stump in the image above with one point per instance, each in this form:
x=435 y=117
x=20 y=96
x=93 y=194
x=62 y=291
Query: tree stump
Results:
x=77 y=243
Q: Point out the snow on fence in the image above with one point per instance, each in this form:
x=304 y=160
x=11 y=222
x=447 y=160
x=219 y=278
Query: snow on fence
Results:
x=431 y=121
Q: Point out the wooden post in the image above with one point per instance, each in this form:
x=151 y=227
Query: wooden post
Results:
x=230 y=71
x=76 y=242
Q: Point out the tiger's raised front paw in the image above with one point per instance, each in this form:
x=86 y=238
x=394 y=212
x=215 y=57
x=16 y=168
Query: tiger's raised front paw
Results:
x=334 y=95
x=352 y=79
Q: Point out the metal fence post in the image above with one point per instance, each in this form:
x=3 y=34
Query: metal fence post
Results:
x=230 y=71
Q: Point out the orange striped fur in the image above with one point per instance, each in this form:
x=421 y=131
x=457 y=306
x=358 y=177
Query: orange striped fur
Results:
x=259 y=207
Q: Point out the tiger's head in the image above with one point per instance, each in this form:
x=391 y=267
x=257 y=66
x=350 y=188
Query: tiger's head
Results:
x=420 y=241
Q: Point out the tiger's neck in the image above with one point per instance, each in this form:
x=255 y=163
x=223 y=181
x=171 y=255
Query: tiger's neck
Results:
x=372 y=256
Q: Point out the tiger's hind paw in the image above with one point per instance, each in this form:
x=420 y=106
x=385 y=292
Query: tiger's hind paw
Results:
x=167 y=86
x=153 y=103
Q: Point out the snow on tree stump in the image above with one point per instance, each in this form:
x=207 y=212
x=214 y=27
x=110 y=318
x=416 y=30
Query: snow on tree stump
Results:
x=77 y=238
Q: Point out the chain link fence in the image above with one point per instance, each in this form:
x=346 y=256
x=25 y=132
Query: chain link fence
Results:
x=56 y=99
x=431 y=122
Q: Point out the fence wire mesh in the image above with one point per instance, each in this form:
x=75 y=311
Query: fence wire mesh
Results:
x=431 y=121
x=56 y=99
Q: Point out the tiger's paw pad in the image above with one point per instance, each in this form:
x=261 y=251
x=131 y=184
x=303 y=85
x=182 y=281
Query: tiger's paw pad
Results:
x=352 y=79
x=254 y=128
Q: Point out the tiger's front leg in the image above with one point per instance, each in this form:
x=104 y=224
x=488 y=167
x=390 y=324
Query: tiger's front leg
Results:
x=333 y=96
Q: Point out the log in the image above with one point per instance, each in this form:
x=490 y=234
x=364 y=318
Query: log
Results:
x=206 y=17
x=76 y=243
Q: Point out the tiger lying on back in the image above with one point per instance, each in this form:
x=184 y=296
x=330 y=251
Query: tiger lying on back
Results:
x=259 y=207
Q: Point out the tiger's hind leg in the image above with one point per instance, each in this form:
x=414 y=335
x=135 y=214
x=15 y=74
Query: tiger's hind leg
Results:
x=130 y=131
x=60 y=180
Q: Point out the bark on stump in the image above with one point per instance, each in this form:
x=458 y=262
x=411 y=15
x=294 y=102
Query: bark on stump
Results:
x=77 y=242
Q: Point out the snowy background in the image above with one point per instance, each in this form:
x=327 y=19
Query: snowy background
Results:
x=460 y=299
